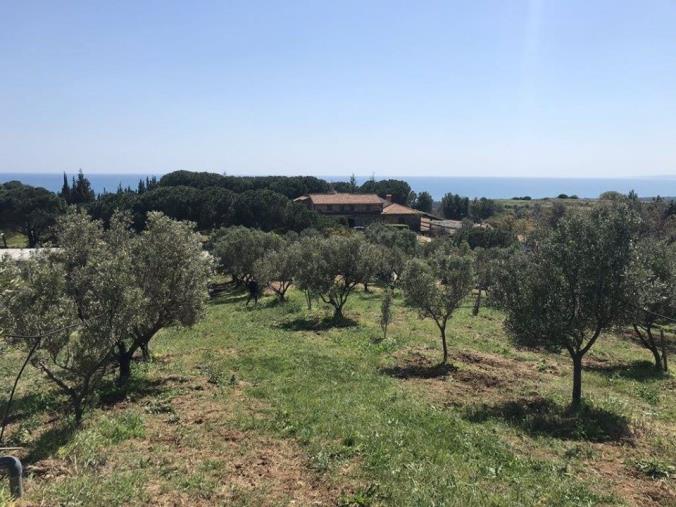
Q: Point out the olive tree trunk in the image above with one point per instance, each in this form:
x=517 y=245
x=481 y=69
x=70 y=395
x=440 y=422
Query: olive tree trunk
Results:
x=648 y=341
x=577 y=381
x=477 y=304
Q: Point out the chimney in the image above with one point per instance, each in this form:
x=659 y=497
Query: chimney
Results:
x=388 y=197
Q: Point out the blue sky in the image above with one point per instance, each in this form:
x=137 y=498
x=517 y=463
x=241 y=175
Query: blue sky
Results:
x=473 y=88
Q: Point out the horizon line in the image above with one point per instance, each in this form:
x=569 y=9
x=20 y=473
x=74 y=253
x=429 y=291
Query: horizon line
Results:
x=360 y=176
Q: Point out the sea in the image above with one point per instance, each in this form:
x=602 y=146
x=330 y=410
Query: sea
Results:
x=491 y=187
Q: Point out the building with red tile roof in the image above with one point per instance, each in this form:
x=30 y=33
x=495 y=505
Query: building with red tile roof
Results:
x=359 y=210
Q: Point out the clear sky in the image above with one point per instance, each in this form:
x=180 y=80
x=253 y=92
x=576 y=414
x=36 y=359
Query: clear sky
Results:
x=450 y=88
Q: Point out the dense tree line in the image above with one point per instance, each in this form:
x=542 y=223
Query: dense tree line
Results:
x=456 y=207
x=210 y=200
x=79 y=192
x=289 y=186
x=211 y=207
x=33 y=211
x=423 y=202
x=399 y=190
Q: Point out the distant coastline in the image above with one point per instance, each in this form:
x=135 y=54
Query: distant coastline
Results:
x=475 y=186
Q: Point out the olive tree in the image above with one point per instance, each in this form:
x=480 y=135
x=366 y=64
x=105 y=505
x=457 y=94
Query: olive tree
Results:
x=276 y=269
x=308 y=270
x=72 y=306
x=238 y=248
x=386 y=311
x=395 y=246
x=9 y=283
x=384 y=235
x=371 y=260
x=652 y=278
x=437 y=287
x=482 y=274
x=332 y=268
x=486 y=263
x=171 y=273
x=570 y=289
x=392 y=261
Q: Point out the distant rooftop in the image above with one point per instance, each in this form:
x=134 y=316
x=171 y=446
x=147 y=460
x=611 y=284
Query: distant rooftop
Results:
x=398 y=209
x=342 y=198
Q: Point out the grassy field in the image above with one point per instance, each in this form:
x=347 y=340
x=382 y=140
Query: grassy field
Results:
x=275 y=405
x=15 y=239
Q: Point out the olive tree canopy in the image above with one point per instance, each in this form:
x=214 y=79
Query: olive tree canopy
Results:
x=276 y=269
x=653 y=281
x=437 y=287
x=569 y=289
x=72 y=306
x=238 y=248
x=332 y=267
x=171 y=272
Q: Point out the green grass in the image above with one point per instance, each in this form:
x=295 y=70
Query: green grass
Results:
x=255 y=395
x=15 y=239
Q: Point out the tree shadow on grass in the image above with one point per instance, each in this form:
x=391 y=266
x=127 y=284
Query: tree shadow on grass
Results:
x=109 y=395
x=230 y=299
x=216 y=289
x=49 y=442
x=636 y=370
x=138 y=388
x=29 y=405
x=422 y=371
x=317 y=324
x=370 y=295
x=542 y=417
x=231 y=295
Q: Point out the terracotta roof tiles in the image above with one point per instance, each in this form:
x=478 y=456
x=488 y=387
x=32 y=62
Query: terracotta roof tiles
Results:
x=345 y=199
x=398 y=209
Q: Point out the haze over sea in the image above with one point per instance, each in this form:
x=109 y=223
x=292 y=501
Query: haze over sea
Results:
x=492 y=187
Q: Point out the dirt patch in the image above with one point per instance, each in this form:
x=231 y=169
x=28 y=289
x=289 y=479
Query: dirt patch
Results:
x=609 y=468
x=512 y=367
x=470 y=373
x=240 y=467
x=192 y=454
x=596 y=363
x=418 y=366
x=613 y=465
x=471 y=376
x=232 y=465
x=281 y=470
x=485 y=359
x=478 y=379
